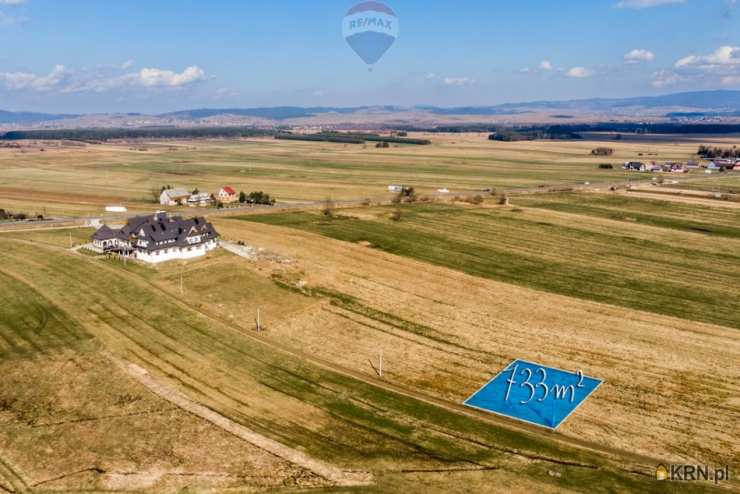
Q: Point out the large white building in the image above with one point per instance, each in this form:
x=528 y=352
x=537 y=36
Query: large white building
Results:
x=157 y=238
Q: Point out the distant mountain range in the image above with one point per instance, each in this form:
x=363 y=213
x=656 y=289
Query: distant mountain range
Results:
x=30 y=117
x=688 y=105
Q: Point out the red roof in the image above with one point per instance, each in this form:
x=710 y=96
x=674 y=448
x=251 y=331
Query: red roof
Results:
x=229 y=190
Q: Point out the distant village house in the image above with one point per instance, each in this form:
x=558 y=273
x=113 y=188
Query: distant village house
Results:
x=174 y=197
x=201 y=199
x=227 y=195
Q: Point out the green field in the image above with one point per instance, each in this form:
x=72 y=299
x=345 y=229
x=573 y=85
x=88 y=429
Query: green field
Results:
x=728 y=183
x=656 y=256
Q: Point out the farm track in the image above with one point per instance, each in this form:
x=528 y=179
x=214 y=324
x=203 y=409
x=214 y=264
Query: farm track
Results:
x=636 y=462
x=170 y=394
x=14 y=478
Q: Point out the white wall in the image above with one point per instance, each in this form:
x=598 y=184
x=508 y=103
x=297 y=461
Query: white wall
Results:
x=177 y=253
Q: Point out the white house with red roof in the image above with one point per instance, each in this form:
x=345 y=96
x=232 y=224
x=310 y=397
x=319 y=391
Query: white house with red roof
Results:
x=227 y=195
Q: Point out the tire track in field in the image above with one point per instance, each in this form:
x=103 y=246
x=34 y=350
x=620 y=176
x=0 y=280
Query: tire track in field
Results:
x=17 y=483
x=329 y=472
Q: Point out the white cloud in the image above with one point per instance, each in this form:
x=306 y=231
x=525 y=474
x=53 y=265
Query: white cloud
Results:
x=127 y=64
x=145 y=78
x=724 y=56
x=639 y=55
x=664 y=78
x=168 y=78
x=580 y=72
x=731 y=80
x=545 y=65
x=430 y=76
x=644 y=4
x=458 y=81
x=7 y=19
x=29 y=81
x=66 y=81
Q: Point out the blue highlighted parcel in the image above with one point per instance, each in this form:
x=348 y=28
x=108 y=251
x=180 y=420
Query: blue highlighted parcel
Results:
x=534 y=393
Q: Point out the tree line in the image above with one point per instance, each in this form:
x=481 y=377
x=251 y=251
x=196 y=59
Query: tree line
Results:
x=709 y=152
x=144 y=133
x=351 y=138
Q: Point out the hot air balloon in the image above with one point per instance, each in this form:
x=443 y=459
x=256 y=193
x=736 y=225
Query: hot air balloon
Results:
x=370 y=29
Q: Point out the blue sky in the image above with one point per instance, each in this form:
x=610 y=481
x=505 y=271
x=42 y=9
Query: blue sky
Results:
x=154 y=56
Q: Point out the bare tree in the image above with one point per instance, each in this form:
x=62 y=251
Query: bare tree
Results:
x=396 y=214
x=328 y=208
x=155 y=193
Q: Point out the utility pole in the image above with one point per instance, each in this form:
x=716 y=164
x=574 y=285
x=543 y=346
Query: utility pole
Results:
x=258 y=322
x=70 y=240
x=380 y=364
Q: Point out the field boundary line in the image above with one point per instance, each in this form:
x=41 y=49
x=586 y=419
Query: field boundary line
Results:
x=329 y=472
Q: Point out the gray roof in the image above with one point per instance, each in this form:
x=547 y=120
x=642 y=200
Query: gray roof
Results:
x=178 y=192
x=161 y=231
x=104 y=233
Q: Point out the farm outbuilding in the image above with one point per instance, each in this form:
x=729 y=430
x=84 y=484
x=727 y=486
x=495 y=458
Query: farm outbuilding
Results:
x=174 y=197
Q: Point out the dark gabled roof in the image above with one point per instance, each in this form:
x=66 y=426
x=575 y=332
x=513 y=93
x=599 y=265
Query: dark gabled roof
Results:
x=134 y=224
x=160 y=230
x=104 y=233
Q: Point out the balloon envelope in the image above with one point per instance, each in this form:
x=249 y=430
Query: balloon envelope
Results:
x=370 y=29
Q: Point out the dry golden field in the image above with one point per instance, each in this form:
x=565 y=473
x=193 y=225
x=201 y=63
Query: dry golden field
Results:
x=127 y=377
x=64 y=336
x=63 y=179
x=671 y=384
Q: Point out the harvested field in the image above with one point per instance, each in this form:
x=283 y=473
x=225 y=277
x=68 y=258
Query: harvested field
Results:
x=83 y=179
x=449 y=332
x=676 y=261
x=154 y=378
x=71 y=421
x=330 y=416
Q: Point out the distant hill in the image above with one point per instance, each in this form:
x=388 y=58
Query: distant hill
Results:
x=691 y=105
x=722 y=101
x=9 y=117
x=271 y=113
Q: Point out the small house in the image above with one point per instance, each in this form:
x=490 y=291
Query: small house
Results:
x=635 y=166
x=395 y=188
x=227 y=195
x=201 y=199
x=174 y=197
